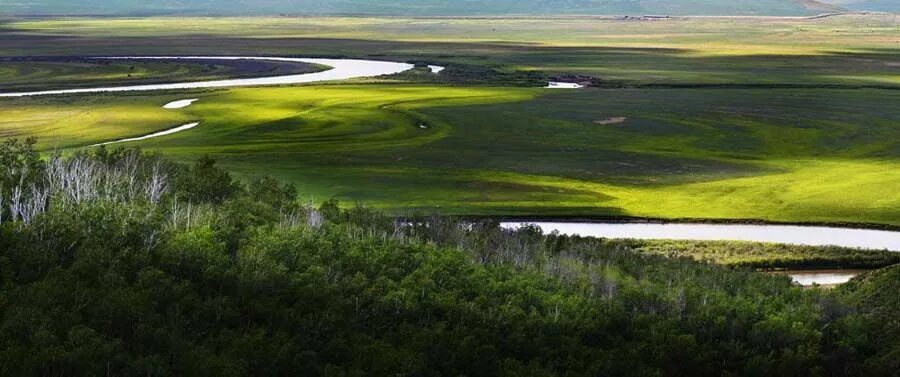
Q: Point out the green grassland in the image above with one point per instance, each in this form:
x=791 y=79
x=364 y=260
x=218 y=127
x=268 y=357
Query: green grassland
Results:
x=19 y=75
x=790 y=120
x=777 y=155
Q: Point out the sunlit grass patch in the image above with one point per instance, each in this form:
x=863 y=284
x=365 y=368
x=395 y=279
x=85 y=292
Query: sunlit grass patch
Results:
x=777 y=155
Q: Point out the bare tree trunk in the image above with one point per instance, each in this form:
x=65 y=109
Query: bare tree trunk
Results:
x=157 y=185
x=15 y=204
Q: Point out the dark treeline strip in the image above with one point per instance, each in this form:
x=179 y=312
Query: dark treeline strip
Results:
x=768 y=256
x=472 y=75
x=121 y=263
x=476 y=75
x=626 y=85
x=58 y=72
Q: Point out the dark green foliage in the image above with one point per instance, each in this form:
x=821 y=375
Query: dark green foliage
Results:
x=473 y=75
x=271 y=192
x=329 y=301
x=204 y=182
x=870 y=338
x=243 y=286
x=19 y=161
x=330 y=210
x=768 y=256
x=20 y=165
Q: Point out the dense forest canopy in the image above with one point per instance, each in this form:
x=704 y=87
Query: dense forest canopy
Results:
x=434 y=7
x=116 y=262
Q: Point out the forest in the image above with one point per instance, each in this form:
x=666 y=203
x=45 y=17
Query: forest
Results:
x=121 y=262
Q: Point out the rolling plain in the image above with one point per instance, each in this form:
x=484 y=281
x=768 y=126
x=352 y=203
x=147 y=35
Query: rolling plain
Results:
x=741 y=118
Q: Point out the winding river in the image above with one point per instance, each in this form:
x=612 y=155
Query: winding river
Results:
x=341 y=69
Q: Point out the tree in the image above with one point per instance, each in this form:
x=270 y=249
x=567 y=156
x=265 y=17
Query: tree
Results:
x=204 y=182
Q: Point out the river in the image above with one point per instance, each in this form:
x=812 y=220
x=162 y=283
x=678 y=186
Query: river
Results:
x=821 y=277
x=787 y=234
x=341 y=69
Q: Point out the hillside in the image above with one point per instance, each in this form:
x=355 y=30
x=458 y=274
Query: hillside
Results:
x=419 y=7
x=868 y=5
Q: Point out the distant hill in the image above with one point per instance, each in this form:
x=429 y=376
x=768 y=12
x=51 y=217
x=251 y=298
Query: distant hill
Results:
x=871 y=5
x=424 y=7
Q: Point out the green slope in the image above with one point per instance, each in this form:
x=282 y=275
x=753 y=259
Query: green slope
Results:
x=415 y=7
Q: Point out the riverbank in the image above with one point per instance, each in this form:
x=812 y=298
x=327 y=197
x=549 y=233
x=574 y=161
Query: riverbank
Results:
x=819 y=263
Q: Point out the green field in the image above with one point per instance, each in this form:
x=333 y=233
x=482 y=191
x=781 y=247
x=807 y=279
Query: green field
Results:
x=789 y=120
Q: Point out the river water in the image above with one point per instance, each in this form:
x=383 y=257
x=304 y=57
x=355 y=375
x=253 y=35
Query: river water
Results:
x=788 y=234
x=150 y=136
x=821 y=277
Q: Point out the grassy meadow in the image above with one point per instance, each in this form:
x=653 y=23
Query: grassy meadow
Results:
x=776 y=119
x=520 y=151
